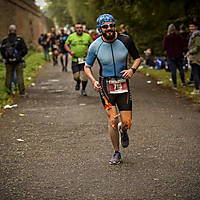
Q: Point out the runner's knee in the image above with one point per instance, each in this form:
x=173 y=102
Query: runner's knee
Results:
x=113 y=122
x=126 y=122
x=76 y=76
x=84 y=77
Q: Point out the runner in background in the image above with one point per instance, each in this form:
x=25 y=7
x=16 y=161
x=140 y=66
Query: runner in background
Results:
x=54 y=46
x=62 y=37
x=77 y=45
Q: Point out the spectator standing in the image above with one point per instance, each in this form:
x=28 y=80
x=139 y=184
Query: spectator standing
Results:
x=185 y=37
x=149 y=59
x=173 y=44
x=123 y=30
x=13 y=49
x=194 y=54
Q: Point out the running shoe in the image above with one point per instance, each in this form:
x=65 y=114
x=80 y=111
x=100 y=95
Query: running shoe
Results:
x=116 y=159
x=83 y=93
x=195 y=91
x=124 y=136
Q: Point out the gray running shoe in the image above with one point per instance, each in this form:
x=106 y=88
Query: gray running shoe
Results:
x=116 y=159
x=83 y=93
x=124 y=136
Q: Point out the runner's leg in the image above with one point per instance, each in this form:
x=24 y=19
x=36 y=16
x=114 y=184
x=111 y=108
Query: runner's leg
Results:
x=126 y=118
x=61 y=60
x=66 y=61
x=112 y=128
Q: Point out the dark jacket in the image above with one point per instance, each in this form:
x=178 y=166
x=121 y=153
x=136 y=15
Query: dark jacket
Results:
x=173 y=44
x=21 y=46
x=194 y=48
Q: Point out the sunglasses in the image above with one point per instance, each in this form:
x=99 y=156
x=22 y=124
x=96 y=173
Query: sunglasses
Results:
x=105 y=26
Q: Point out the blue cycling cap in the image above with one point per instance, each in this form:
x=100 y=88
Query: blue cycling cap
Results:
x=102 y=19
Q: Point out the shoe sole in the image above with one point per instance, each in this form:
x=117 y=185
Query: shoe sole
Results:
x=115 y=163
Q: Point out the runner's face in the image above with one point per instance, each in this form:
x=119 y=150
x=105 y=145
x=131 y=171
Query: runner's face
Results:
x=62 y=30
x=108 y=30
x=79 y=29
x=53 y=30
x=192 y=28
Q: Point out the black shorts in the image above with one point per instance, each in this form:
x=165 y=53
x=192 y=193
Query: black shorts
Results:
x=77 y=67
x=63 y=51
x=123 y=101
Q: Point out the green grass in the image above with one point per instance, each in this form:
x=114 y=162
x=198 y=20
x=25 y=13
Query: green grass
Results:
x=165 y=77
x=34 y=60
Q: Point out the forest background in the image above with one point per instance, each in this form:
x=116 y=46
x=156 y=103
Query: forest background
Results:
x=147 y=21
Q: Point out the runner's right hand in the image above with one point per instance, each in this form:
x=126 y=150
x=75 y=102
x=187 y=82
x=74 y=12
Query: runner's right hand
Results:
x=72 y=53
x=97 y=87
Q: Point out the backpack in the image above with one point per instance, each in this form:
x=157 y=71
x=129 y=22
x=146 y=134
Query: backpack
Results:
x=11 y=52
x=160 y=63
x=43 y=41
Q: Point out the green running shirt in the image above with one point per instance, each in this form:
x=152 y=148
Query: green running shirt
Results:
x=79 y=44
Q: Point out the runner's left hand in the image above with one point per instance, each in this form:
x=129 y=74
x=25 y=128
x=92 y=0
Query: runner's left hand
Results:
x=127 y=74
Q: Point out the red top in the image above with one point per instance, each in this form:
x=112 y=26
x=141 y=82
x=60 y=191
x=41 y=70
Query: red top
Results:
x=173 y=44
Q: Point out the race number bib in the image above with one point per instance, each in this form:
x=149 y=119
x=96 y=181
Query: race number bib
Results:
x=117 y=86
x=54 y=46
x=81 y=60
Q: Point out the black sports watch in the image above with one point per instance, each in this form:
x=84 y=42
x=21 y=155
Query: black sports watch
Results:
x=133 y=69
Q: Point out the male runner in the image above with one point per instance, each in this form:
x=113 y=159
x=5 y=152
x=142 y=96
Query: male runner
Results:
x=77 y=45
x=111 y=51
x=54 y=46
x=62 y=37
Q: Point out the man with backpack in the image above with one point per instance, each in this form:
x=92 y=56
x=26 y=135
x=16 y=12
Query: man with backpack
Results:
x=44 y=42
x=13 y=49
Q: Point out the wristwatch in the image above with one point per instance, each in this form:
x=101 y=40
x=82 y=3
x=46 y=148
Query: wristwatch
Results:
x=133 y=69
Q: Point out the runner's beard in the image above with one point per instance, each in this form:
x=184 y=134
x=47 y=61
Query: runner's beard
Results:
x=110 y=36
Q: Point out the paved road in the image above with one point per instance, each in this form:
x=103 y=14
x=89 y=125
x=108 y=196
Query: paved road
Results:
x=65 y=148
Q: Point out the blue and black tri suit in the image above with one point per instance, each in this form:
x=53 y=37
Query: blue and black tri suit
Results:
x=112 y=59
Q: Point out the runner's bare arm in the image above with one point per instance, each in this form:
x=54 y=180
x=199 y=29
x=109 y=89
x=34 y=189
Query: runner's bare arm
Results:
x=95 y=83
x=68 y=49
x=127 y=74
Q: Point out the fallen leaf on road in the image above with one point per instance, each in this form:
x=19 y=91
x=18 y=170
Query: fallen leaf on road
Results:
x=54 y=80
x=82 y=104
x=20 y=140
x=57 y=91
x=8 y=106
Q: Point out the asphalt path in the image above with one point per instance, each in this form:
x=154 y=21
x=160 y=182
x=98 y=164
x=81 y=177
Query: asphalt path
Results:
x=55 y=144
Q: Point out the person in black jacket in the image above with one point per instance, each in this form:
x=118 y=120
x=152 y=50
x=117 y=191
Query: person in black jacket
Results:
x=13 y=49
x=43 y=40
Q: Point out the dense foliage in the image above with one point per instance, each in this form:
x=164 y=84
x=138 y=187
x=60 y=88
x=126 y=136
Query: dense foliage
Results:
x=146 y=20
